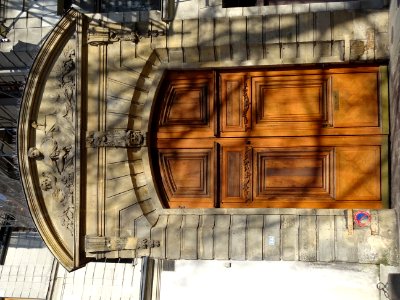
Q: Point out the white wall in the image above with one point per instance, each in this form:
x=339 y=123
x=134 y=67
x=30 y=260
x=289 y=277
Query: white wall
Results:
x=28 y=267
x=199 y=280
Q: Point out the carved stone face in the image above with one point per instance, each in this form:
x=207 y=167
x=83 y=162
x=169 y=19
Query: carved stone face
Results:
x=45 y=184
x=34 y=152
x=135 y=138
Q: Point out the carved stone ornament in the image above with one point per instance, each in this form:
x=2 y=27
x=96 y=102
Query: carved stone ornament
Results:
x=95 y=244
x=115 y=138
x=100 y=35
x=56 y=137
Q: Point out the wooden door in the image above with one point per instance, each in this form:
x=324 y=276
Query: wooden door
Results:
x=308 y=138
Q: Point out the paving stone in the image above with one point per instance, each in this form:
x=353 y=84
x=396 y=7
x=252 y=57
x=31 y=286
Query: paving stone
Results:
x=322 y=49
x=254 y=237
x=234 y=12
x=271 y=29
x=206 y=237
x=174 y=34
x=305 y=27
x=289 y=52
x=251 y=11
x=269 y=10
x=299 y=8
x=382 y=46
x=273 y=53
x=330 y=6
x=380 y=19
x=342 y=25
x=317 y=7
x=308 y=238
x=206 y=41
x=323 y=26
x=189 y=237
x=158 y=233
x=191 y=54
x=345 y=243
x=173 y=238
x=326 y=238
x=237 y=247
x=238 y=38
x=221 y=236
x=289 y=234
x=221 y=40
x=190 y=33
x=285 y=9
x=187 y=10
x=354 y=5
x=287 y=28
x=272 y=237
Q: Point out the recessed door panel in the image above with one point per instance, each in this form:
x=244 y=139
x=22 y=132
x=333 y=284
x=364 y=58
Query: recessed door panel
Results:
x=188 y=105
x=187 y=176
x=303 y=173
x=358 y=173
x=282 y=101
x=235 y=103
x=355 y=100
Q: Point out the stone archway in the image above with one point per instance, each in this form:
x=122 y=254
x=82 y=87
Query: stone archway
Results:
x=109 y=203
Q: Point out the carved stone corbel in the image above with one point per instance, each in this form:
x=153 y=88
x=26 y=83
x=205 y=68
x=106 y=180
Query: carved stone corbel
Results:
x=117 y=138
x=95 y=244
x=102 y=35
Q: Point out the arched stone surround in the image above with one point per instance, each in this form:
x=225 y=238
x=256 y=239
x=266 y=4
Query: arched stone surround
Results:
x=270 y=234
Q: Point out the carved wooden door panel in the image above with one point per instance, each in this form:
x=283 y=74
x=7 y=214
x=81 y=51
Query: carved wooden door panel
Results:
x=306 y=138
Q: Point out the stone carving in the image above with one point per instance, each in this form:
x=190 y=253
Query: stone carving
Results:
x=95 y=244
x=115 y=138
x=56 y=139
x=146 y=244
x=100 y=35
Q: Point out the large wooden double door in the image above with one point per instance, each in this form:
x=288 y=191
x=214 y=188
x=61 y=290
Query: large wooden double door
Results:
x=310 y=138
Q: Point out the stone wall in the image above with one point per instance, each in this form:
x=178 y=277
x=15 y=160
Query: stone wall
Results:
x=394 y=67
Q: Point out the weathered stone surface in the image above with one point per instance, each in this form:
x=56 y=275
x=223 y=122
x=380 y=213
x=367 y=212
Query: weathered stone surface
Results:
x=190 y=33
x=254 y=235
x=326 y=238
x=271 y=29
x=206 y=237
x=272 y=237
x=308 y=238
x=305 y=27
x=221 y=236
x=287 y=26
x=290 y=236
x=322 y=30
x=237 y=246
x=342 y=25
x=189 y=237
x=173 y=238
x=238 y=38
x=158 y=233
x=346 y=249
x=222 y=39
